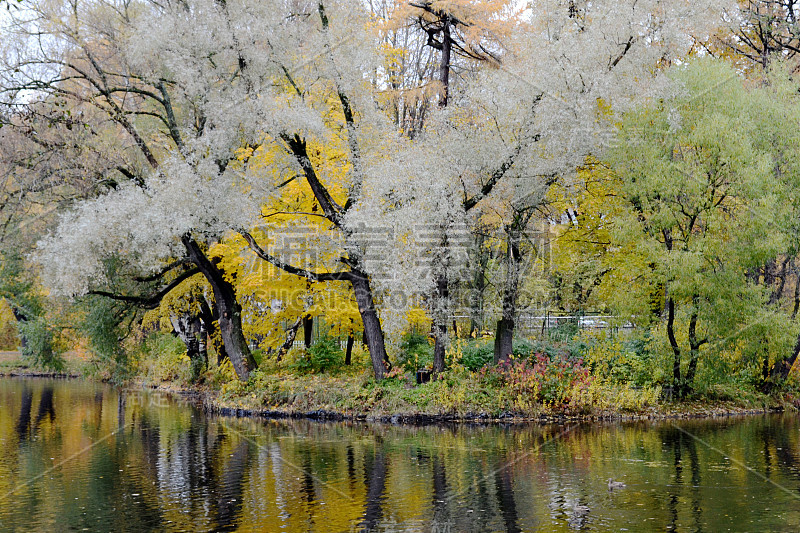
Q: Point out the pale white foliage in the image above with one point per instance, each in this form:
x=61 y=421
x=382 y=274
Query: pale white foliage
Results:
x=228 y=63
x=240 y=65
x=546 y=107
x=144 y=225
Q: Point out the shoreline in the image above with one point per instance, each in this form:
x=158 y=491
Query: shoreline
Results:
x=25 y=373
x=210 y=403
x=323 y=415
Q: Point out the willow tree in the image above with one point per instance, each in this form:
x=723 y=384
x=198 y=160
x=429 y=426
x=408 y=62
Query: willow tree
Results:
x=174 y=191
x=533 y=116
x=192 y=85
x=697 y=173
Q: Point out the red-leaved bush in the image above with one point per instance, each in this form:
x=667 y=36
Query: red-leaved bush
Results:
x=540 y=378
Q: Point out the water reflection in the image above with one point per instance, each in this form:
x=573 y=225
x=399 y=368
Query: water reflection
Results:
x=24 y=421
x=70 y=460
x=375 y=481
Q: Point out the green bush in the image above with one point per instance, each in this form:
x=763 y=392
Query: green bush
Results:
x=415 y=352
x=477 y=354
x=165 y=358
x=38 y=348
x=621 y=361
x=323 y=356
x=565 y=329
x=101 y=325
x=523 y=348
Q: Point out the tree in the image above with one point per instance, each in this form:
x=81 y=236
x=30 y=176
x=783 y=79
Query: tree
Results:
x=698 y=177
x=513 y=129
x=179 y=150
x=298 y=80
x=765 y=40
x=765 y=30
x=189 y=102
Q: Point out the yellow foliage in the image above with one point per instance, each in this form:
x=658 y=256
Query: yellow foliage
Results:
x=8 y=327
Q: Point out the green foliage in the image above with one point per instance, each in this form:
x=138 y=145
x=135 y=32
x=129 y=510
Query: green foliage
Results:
x=165 y=358
x=102 y=324
x=18 y=287
x=565 y=330
x=258 y=356
x=700 y=174
x=477 y=354
x=38 y=347
x=415 y=352
x=9 y=336
x=218 y=376
x=523 y=348
x=623 y=362
x=324 y=356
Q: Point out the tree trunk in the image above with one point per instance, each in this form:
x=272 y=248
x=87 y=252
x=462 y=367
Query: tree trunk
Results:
x=348 y=354
x=440 y=307
x=673 y=342
x=694 y=354
x=373 y=332
x=796 y=294
x=504 y=341
x=289 y=342
x=444 y=65
x=308 y=330
x=189 y=329
x=209 y=316
x=20 y=317
x=229 y=310
x=777 y=288
x=441 y=295
x=781 y=369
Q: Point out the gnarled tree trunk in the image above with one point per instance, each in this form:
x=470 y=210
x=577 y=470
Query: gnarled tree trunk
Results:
x=192 y=332
x=229 y=310
x=373 y=333
x=504 y=340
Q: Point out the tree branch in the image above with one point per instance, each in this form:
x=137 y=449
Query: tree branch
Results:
x=160 y=274
x=152 y=301
x=297 y=271
x=298 y=148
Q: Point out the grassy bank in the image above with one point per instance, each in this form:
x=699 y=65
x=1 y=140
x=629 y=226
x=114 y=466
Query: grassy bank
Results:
x=458 y=395
x=12 y=363
x=576 y=378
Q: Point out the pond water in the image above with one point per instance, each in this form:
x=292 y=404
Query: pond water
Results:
x=78 y=456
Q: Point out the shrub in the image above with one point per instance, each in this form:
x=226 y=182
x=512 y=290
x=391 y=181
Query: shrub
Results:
x=165 y=358
x=523 y=348
x=566 y=329
x=540 y=379
x=218 y=376
x=325 y=355
x=9 y=340
x=477 y=354
x=38 y=348
x=415 y=352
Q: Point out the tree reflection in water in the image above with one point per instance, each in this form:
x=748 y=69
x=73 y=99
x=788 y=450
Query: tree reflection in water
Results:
x=141 y=465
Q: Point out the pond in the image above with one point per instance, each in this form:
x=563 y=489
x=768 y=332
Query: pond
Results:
x=79 y=456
